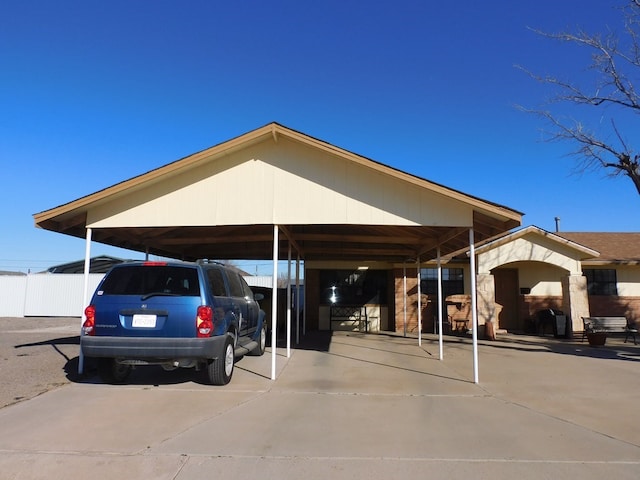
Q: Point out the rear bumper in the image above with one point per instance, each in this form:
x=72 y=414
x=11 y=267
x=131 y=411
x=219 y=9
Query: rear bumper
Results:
x=145 y=348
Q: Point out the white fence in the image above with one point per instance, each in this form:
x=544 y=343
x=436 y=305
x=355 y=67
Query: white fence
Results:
x=44 y=295
x=59 y=294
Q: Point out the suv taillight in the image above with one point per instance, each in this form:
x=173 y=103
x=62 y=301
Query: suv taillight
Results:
x=204 y=321
x=88 y=327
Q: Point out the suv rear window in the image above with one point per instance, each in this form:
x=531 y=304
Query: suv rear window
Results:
x=143 y=280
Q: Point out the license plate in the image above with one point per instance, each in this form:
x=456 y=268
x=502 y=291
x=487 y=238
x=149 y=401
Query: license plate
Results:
x=144 y=321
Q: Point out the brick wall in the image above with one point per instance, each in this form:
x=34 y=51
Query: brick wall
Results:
x=429 y=308
x=530 y=304
x=612 y=306
x=599 y=305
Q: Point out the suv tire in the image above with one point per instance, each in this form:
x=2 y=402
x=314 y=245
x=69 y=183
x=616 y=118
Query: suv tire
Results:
x=112 y=372
x=220 y=370
x=262 y=343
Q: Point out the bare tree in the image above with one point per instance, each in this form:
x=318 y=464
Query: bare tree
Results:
x=615 y=67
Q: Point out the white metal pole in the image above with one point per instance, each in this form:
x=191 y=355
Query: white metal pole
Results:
x=440 y=342
x=404 y=297
x=474 y=311
x=304 y=306
x=419 y=304
x=289 y=302
x=298 y=299
x=85 y=296
x=274 y=304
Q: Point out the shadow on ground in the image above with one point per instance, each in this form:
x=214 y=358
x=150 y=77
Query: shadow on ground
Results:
x=615 y=349
x=321 y=341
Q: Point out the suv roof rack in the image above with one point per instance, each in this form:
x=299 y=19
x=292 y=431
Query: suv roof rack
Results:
x=206 y=261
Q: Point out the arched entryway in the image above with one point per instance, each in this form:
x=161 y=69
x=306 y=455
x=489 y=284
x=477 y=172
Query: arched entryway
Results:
x=528 y=270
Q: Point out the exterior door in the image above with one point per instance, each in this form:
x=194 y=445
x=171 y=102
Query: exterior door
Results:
x=507 y=291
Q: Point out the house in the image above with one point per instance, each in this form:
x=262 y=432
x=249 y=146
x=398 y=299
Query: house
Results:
x=529 y=270
x=613 y=277
x=99 y=264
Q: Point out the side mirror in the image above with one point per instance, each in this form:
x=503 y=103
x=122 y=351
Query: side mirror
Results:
x=258 y=297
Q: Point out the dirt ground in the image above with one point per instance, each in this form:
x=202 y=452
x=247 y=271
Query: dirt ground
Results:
x=36 y=355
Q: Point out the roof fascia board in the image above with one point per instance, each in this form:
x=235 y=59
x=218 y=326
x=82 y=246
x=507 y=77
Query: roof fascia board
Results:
x=604 y=262
x=532 y=229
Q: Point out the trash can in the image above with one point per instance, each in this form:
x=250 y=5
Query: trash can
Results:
x=561 y=325
x=556 y=319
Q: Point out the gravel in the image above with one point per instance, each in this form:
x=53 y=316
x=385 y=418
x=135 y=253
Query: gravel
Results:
x=37 y=355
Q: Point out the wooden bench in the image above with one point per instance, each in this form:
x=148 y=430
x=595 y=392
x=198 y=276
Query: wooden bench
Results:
x=609 y=325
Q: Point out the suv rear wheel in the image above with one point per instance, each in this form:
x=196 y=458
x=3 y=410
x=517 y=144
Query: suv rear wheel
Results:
x=220 y=370
x=111 y=371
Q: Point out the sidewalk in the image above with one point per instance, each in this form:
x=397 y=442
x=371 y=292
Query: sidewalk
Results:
x=347 y=406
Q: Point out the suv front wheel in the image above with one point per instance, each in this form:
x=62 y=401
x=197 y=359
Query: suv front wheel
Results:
x=262 y=342
x=220 y=369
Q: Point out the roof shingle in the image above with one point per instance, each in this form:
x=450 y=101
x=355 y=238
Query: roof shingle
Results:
x=613 y=247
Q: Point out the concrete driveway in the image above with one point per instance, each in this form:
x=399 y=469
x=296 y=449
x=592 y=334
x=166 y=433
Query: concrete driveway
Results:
x=345 y=406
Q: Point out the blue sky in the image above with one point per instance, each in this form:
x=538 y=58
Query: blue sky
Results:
x=93 y=93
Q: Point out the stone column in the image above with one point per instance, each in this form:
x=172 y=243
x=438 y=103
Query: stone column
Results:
x=486 y=289
x=575 y=300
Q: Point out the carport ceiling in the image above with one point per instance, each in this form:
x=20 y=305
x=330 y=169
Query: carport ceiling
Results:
x=285 y=175
x=394 y=244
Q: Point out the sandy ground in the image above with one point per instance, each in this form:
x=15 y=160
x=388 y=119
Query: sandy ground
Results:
x=36 y=355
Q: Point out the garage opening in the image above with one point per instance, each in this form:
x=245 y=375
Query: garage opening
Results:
x=356 y=299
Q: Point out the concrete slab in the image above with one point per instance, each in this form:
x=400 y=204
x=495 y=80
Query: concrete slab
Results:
x=386 y=426
x=108 y=419
x=320 y=468
x=57 y=465
x=347 y=406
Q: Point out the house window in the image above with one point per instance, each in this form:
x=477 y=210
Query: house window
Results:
x=601 y=281
x=452 y=281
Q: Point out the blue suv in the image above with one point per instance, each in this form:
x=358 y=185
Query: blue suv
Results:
x=175 y=315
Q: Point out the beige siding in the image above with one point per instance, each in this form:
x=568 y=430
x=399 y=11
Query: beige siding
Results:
x=530 y=248
x=628 y=281
x=283 y=183
x=543 y=279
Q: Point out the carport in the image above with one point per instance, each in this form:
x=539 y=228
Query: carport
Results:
x=275 y=192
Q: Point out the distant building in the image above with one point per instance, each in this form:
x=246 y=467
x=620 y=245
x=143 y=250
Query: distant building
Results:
x=98 y=264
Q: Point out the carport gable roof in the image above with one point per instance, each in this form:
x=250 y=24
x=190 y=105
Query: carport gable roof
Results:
x=223 y=201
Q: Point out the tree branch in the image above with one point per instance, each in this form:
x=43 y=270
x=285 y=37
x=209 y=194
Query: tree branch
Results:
x=616 y=64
